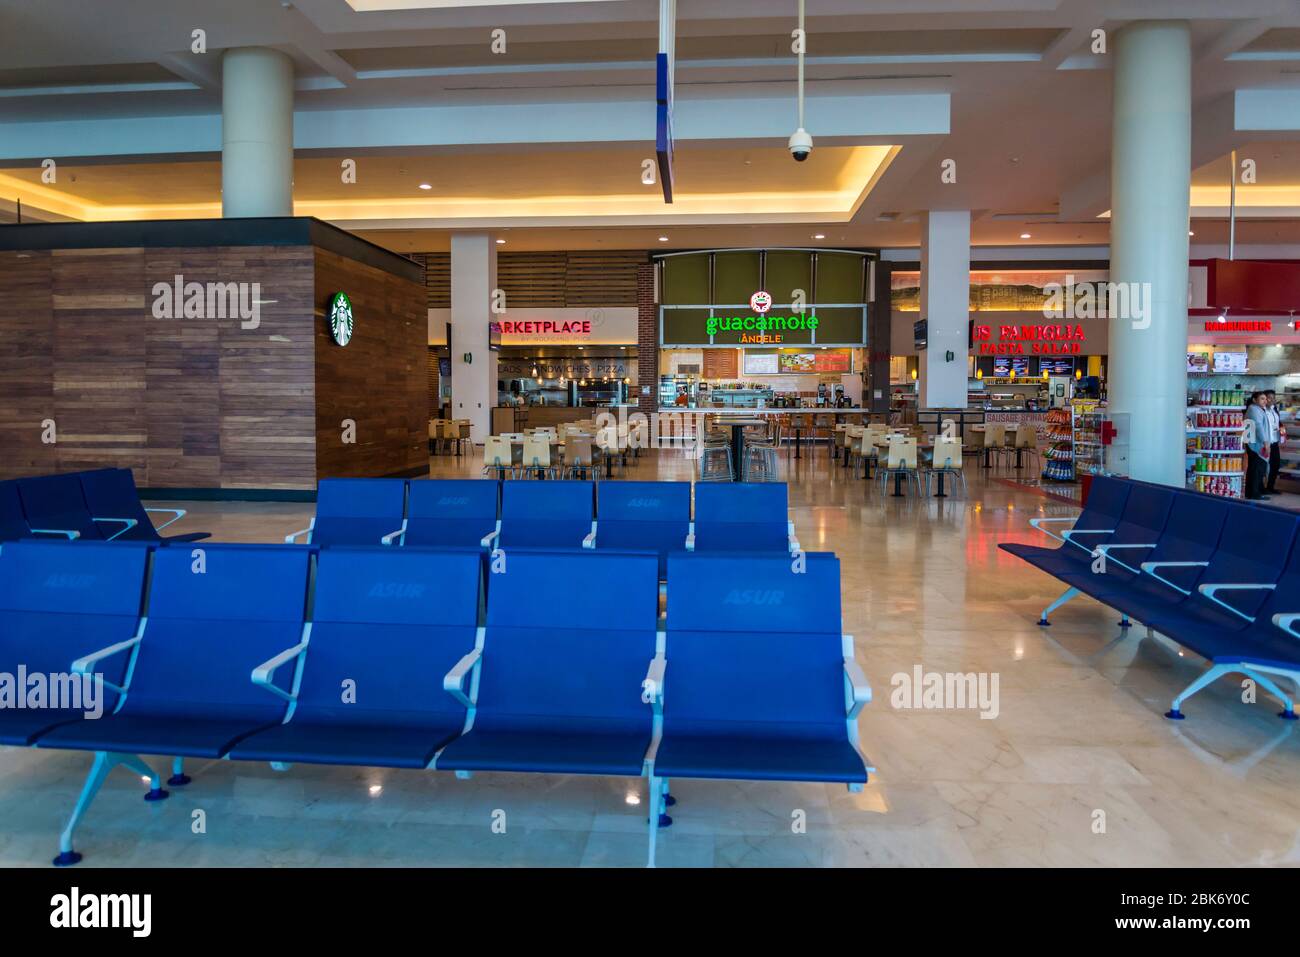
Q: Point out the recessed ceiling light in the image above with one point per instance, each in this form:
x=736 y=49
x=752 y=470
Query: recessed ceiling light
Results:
x=1190 y=233
x=425 y=186
x=663 y=239
x=501 y=242
x=819 y=236
x=1025 y=236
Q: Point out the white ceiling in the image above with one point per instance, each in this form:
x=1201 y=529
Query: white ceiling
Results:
x=1007 y=88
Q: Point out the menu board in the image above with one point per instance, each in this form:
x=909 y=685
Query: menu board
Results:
x=761 y=363
x=1055 y=365
x=1230 y=362
x=1198 y=362
x=721 y=364
x=1003 y=365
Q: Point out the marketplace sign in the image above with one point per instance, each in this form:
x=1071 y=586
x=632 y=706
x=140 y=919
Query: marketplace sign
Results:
x=577 y=328
x=1030 y=339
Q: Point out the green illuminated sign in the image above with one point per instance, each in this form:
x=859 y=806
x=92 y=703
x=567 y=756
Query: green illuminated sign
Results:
x=340 y=318
x=761 y=325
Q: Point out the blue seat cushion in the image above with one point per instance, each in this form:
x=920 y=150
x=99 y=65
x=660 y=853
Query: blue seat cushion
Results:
x=742 y=536
x=20 y=728
x=152 y=734
x=527 y=533
x=352 y=531
x=387 y=746
x=759 y=758
x=460 y=532
x=660 y=537
x=598 y=748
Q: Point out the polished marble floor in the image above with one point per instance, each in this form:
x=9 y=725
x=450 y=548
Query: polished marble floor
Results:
x=1078 y=767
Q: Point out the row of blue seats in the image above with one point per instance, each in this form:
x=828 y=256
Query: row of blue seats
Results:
x=97 y=505
x=1220 y=577
x=654 y=516
x=246 y=652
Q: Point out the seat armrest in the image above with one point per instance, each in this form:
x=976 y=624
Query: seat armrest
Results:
x=491 y=536
x=127 y=525
x=857 y=690
x=1038 y=523
x=453 y=681
x=1110 y=548
x=82 y=665
x=790 y=538
x=70 y=533
x=288 y=539
x=395 y=533
x=1085 y=531
x=1210 y=590
x=590 y=540
x=177 y=515
x=1287 y=622
x=264 y=672
x=690 y=537
x=1149 y=568
x=652 y=686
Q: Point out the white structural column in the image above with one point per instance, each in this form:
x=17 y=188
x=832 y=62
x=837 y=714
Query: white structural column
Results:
x=945 y=306
x=256 y=133
x=1150 y=187
x=473 y=364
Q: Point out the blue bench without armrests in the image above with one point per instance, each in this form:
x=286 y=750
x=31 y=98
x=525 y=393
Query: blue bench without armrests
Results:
x=453 y=512
x=387 y=625
x=545 y=514
x=113 y=492
x=757 y=680
x=559 y=672
x=57 y=604
x=214 y=613
x=355 y=511
x=652 y=516
x=742 y=517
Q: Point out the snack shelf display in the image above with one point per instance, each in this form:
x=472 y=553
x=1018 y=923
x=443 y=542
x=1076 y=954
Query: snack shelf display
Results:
x=1058 y=457
x=1215 y=461
x=1089 y=444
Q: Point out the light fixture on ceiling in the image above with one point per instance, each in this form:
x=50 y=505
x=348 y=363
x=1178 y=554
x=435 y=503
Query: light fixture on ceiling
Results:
x=1025 y=236
x=1223 y=316
x=534 y=372
x=979 y=373
x=501 y=242
x=1078 y=374
x=819 y=236
x=663 y=239
x=913 y=375
x=1191 y=233
x=426 y=186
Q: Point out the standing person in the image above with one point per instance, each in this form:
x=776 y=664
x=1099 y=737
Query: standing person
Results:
x=1257 y=448
x=1275 y=440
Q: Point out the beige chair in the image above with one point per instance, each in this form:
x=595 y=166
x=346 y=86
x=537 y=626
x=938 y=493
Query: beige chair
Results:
x=946 y=460
x=537 y=456
x=579 y=458
x=1026 y=442
x=995 y=440
x=498 y=459
x=900 y=463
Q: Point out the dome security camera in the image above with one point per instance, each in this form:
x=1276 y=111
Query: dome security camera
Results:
x=801 y=144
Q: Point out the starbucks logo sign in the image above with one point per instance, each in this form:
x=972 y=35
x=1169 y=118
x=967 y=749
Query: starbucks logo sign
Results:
x=340 y=315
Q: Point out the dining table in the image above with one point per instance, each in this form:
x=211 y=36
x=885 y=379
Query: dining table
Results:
x=738 y=427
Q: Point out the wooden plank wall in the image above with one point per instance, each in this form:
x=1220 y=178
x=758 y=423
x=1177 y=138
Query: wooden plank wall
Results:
x=185 y=403
x=548 y=279
x=379 y=380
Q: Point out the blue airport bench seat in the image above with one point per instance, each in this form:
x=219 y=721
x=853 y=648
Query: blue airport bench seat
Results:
x=651 y=516
x=559 y=670
x=13 y=521
x=742 y=517
x=558 y=514
x=187 y=691
x=448 y=512
x=757 y=680
x=57 y=604
x=113 y=492
x=388 y=624
x=55 y=503
x=1216 y=578
x=355 y=512
x=1099 y=520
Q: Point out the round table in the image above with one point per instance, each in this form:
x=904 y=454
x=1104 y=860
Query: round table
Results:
x=738 y=427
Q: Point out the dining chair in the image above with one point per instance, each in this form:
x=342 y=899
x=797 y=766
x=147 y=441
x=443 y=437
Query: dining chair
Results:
x=947 y=459
x=900 y=460
x=498 y=457
x=537 y=456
